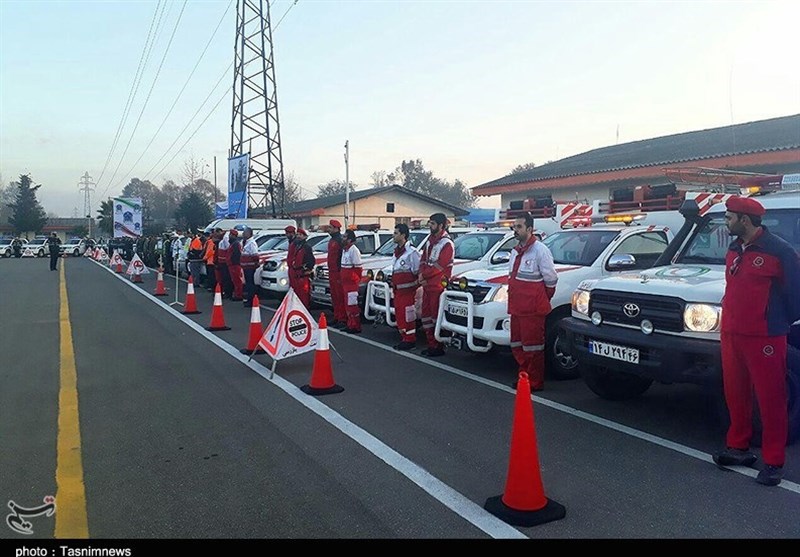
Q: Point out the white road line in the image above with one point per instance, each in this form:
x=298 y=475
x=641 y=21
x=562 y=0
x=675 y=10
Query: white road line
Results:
x=449 y=497
x=644 y=436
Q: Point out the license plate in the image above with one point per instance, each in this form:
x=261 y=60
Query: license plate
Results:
x=319 y=290
x=621 y=353
x=459 y=310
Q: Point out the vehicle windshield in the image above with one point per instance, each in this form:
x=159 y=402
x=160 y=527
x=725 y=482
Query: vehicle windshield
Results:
x=272 y=242
x=579 y=248
x=319 y=244
x=37 y=241
x=475 y=245
x=710 y=243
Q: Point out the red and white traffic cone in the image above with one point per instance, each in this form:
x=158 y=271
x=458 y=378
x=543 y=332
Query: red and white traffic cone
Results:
x=256 y=330
x=137 y=278
x=190 y=307
x=322 y=382
x=160 y=288
x=217 y=317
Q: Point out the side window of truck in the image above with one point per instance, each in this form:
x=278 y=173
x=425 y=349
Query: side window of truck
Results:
x=645 y=247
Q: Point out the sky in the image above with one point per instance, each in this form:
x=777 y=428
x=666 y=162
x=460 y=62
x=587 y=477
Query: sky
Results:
x=471 y=88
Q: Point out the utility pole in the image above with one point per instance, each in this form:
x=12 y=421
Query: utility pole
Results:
x=87 y=187
x=346 y=184
x=254 y=125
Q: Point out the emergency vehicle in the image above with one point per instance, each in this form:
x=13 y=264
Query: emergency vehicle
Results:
x=663 y=324
x=272 y=273
x=473 y=313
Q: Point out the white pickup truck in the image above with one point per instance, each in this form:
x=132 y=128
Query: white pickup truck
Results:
x=473 y=313
x=662 y=324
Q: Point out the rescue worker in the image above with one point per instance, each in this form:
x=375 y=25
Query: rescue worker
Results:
x=223 y=256
x=209 y=253
x=435 y=266
x=301 y=266
x=195 y=258
x=351 y=278
x=235 y=265
x=405 y=281
x=54 y=245
x=532 y=280
x=335 y=245
x=249 y=264
x=290 y=232
x=761 y=301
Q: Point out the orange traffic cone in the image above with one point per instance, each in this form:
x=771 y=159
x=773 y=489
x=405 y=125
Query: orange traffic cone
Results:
x=137 y=277
x=190 y=307
x=160 y=289
x=256 y=330
x=523 y=503
x=217 y=318
x=322 y=382
x=119 y=268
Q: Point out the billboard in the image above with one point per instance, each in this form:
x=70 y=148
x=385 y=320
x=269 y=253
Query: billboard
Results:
x=238 y=173
x=127 y=217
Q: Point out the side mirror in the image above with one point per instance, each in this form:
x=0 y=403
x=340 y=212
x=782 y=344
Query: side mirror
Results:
x=501 y=257
x=621 y=262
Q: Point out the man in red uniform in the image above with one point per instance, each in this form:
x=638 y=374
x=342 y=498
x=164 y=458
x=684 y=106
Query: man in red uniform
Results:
x=351 y=279
x=436 y=265
x=762 y=300
x=405 y=271
x=532 y=280
x=291 y=233
x=301 y=266
x=235 y=266
x=335 y=246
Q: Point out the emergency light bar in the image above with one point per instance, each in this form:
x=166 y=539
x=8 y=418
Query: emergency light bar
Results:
x=626 y=219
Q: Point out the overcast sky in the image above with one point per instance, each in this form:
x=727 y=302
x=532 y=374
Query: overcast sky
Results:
x=473 y=89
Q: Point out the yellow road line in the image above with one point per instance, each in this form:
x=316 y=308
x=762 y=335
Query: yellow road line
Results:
x=71 y=521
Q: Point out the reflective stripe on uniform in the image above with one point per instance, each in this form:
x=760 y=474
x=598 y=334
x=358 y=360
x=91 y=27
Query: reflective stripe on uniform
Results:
x=406 y=284
x=532 y=348
x=523 y=275
x=516 y=344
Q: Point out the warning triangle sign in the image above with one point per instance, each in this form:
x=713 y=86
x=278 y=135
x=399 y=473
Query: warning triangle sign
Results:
x=137 y=266
x=291 y=331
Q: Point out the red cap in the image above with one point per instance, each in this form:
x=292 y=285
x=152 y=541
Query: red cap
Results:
x=290 y=229
x=335 y=223
x=301 y=231
x=745 y=205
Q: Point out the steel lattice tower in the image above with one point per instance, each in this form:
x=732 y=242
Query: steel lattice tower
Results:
x=254 y=127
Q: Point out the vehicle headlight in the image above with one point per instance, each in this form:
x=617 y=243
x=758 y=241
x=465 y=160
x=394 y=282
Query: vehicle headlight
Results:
x=702 y=318
x=580 y=301
x=501 y=294
x=380 y=276
x=283 y=266
x=370 y=274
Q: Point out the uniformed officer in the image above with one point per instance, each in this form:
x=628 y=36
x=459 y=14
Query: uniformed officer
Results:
x=405 y=282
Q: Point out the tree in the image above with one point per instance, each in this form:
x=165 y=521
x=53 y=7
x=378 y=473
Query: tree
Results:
x=193 y=212
x=335 y=187
x=79 y=231
x=27 y=214
x=7 y=196
x=411 y=174
x=292 y=190
x=105 y=217
x=523 y=168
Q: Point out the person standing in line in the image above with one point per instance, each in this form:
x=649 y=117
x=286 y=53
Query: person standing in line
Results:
x=532 y=280
x=209 y=254
x=351 y=279
x=54 y=246
x=405 y=281
x=223 y=262
x=761 y=301
x=195 y=258
x=249 y=264
x=301 y=267
x=435 y=267
x=235 y=265
x=335 y=246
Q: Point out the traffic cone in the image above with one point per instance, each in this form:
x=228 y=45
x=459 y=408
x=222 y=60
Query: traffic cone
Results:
x=322 y=382
x=256 y=330
x=190 y=307
x=119 y=268
x=160 y=289
x=524 y=503
x=137 y=277
x=217 y=318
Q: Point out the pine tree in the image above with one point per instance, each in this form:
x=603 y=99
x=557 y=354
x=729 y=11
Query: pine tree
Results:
x=27 y=214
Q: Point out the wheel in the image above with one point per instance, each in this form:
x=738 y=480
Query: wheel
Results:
x=41 y=253
x=613 y=385
x=75 y=253
x=560 y=363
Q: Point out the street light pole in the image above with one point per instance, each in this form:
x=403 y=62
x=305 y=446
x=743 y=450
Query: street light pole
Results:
x=346 y=184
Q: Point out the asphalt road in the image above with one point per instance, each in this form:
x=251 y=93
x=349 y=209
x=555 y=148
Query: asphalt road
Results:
x=181 y=437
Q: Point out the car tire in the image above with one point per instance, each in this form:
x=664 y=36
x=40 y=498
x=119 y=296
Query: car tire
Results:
x=75 y=253
x=613 y=385
x=560 y=364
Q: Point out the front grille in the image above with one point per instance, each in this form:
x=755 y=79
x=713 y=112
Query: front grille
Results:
x=322 y=273
x=665 y=313
x=478 y=291
x=270 y=265
x=477 y=322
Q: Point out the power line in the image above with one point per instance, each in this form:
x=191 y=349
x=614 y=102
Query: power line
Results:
x=131 y=93
x=186 y=83
x=149 y=93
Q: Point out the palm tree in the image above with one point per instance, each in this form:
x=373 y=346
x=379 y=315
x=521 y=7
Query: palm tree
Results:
x=105 y=217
